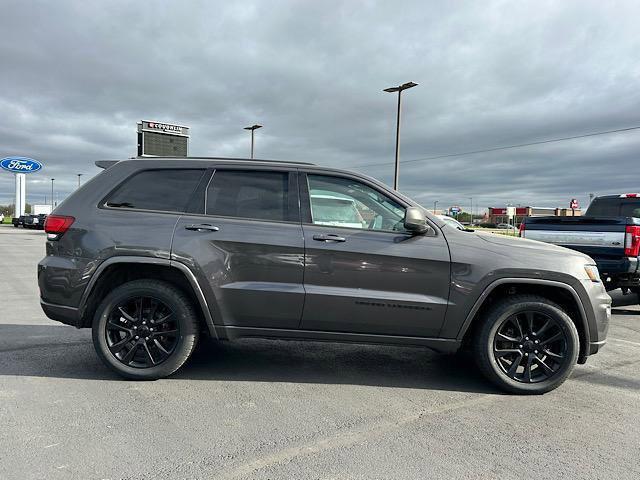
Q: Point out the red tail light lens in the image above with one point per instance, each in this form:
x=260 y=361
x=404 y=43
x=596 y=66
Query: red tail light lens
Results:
x=632 y=241
x=56 y=225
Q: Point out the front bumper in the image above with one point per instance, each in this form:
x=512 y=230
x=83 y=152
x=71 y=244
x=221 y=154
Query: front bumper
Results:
x=600 y=305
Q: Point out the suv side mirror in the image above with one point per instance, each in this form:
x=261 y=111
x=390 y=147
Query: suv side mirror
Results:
x=415 y=220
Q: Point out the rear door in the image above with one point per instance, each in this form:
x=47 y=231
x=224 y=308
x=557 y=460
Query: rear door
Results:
x=363 y=272
x=246 y=247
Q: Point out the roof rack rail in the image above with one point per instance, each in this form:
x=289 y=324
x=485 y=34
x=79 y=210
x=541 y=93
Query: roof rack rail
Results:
x=229 y=158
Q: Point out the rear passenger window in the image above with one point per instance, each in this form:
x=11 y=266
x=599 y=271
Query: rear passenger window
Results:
x=249 y=194
x=167 y=190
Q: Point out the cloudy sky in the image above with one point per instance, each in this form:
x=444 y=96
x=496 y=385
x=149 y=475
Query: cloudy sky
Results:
x=77 y=76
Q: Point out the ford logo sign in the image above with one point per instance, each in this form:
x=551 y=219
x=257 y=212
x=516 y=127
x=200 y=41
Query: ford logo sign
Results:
x=20 y=164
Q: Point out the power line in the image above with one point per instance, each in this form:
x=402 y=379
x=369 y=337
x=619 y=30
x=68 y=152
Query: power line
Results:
x=495 y=149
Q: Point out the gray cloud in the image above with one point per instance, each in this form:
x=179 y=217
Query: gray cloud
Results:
x=77 y=76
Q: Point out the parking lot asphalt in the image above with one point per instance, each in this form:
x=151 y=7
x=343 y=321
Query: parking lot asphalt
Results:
x=293 y=410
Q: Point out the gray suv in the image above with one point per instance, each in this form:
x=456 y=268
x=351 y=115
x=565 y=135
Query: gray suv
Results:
x=152 y=254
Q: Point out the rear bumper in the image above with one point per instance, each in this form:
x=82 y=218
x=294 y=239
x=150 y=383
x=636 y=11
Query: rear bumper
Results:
x=61 y=313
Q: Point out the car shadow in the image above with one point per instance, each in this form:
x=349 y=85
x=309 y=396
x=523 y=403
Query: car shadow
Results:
x=65 y=352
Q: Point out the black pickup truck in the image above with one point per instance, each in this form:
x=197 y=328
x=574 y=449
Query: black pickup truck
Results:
x=609 y=232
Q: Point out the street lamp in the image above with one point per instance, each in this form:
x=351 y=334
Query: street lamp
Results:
x=253 y=128
x=398 y=89
x=471 y=218
x=435 y=206
x=52 y=193
x=79 y=175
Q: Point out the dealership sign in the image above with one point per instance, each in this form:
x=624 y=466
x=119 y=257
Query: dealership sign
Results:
x=164 y=127
x=20 y=164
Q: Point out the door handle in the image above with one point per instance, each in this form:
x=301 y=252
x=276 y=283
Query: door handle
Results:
x=202 y=227
x=330 y=237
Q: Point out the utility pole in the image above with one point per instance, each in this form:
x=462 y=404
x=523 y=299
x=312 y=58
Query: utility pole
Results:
x=398 y=89
x=79 y=175
x=435 y=206
x=52 y=193
x=253 y=128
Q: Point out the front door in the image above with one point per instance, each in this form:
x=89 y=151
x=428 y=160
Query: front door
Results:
x=247 y=248
x=363 y=272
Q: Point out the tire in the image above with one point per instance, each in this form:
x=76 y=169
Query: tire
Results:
x=168 y=343
x=500 y=344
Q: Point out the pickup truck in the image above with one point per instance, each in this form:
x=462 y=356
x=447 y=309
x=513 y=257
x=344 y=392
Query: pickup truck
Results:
x=609 y=232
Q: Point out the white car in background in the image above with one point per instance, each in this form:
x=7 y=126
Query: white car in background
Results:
x=451 y=221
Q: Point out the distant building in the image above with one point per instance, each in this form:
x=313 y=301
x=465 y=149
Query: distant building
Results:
x=499 y=215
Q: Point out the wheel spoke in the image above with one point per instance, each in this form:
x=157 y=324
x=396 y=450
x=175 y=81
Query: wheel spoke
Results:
x=129 y=355
x=507 y=338
x=146 y=348
x=529 y=316
x=162 y=320
x=514 y=366
x=117 y=326
x=548 y=370
x=527 y=369
x=551 y=339
x=160 y=347
x=502 y=352
x=516 y=322
x=126 y=315
x=116 y=347
x=544 y=327
x=552 y=354
x=163 y=333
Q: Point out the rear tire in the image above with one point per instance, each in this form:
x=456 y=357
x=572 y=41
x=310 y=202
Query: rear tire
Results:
x=145 y=329
x=526 y=345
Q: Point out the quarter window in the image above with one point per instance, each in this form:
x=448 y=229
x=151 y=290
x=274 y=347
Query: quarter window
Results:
x=249 y=194
x=167 y=190
x=342 y=202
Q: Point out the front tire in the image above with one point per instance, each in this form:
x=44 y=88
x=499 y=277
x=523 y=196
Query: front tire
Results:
x=527 y=345
x=145 y=329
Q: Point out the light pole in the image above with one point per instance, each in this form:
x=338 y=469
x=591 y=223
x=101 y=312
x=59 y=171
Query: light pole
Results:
x=79 y=175
x=398 y=89
x=471 y=218
x=253 y=128
x=435 y=206
x=52 y=193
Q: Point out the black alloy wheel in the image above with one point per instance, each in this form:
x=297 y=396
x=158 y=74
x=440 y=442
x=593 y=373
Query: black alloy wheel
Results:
x=526 y=344
x=530 y=346
x=142 y=332
x=145 y=329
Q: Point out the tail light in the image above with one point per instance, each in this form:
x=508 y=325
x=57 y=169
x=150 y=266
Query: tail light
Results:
x=521 y=229
x=56 y=225
x=632 y=241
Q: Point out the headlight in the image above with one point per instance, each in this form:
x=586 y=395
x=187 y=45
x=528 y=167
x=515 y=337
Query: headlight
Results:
x=592 y=273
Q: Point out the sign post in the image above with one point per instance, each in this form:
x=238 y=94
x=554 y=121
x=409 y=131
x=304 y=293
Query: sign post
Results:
x=20 y=166
x=573 y=205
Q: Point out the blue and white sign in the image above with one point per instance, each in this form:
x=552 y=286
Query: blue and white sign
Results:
x=20 y=164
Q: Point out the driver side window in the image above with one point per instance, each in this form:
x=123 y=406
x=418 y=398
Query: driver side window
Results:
x=343 y=202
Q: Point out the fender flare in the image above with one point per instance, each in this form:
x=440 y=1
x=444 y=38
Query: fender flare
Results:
x=531 y=281
x=191 y=278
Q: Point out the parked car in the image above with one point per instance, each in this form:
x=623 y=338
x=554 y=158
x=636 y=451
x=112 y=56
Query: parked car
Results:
x=17 y=221
x=451 y=221
x=154 y=253
x=505 y=226
x=34 y=221
x=1 y=217
x=609 y=232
